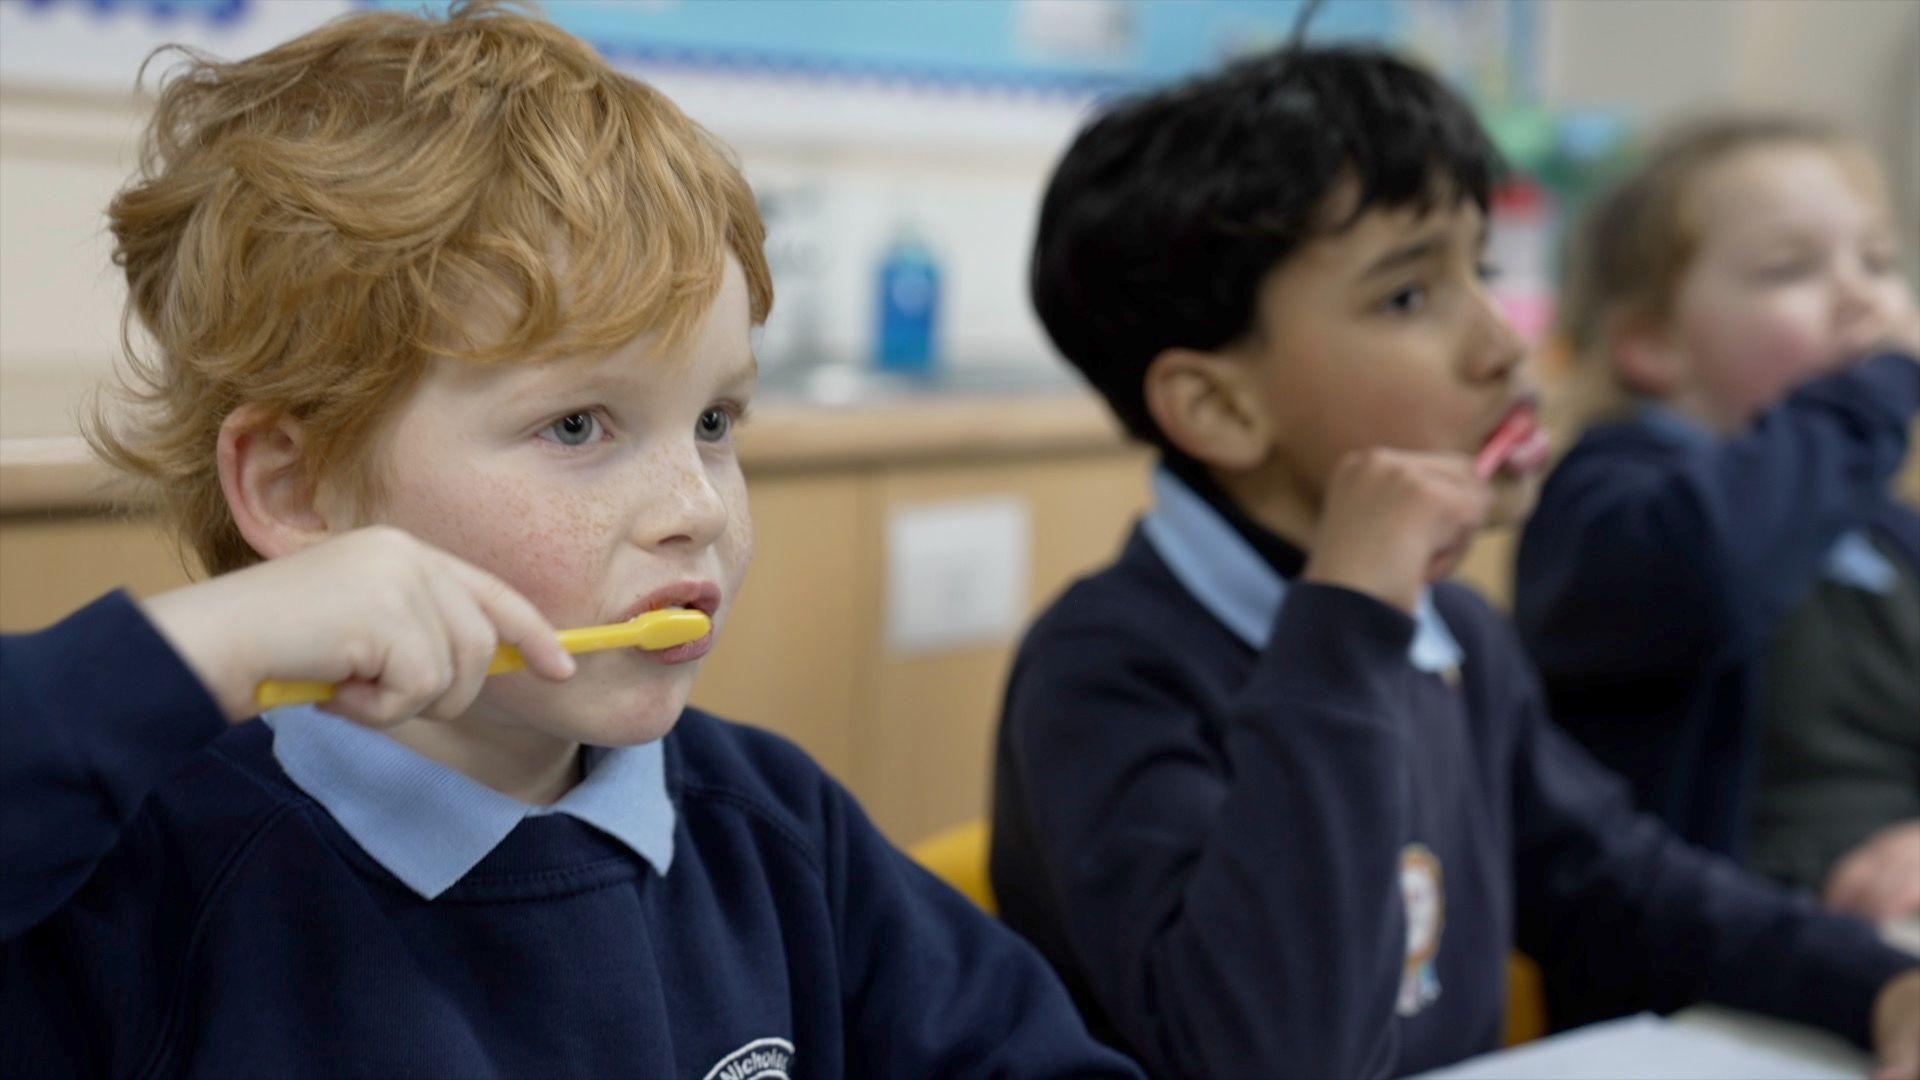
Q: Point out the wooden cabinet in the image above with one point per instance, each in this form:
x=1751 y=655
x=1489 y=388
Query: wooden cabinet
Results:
x=51 y=563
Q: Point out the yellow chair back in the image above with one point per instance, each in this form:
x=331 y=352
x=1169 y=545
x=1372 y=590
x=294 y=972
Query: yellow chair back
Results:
x=958 y=856
x=1526 y=1001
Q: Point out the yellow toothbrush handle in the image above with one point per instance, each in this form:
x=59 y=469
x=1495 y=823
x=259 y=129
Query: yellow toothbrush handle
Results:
x=662 y=629
x=273 y=693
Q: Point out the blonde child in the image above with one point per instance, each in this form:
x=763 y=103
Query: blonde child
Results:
x=1720 y=590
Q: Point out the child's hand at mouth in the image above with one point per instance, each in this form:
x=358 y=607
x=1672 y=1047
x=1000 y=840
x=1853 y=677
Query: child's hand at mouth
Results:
x=1395 y=521
x=405 y=628
x=1888 y=326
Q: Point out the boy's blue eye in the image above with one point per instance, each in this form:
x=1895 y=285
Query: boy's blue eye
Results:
x=1488 y=271
x=574 y=429
x=715 y=424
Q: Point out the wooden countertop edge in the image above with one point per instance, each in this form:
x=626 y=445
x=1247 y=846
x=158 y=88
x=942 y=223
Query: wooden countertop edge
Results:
x=785 y=437
x=59 y=473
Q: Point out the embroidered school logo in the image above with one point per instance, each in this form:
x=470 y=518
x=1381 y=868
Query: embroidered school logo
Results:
x=761 y=1059
x=1426 y=906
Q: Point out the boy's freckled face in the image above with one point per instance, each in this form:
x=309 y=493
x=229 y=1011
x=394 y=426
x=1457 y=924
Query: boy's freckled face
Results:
x=587 y=484
x=1384 y=334
x=1796 y=271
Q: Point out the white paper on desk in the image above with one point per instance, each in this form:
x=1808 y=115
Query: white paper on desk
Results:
x=1638 y=1046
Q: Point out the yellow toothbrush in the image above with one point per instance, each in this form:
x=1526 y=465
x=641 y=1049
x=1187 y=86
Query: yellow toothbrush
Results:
x=650 y=630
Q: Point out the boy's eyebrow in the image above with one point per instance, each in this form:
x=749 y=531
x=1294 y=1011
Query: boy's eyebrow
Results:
x=742 y=373
x=1412 y=251
x=604 y=381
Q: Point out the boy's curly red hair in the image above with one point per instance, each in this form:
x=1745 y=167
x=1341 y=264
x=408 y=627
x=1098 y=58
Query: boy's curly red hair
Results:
x=311 y=226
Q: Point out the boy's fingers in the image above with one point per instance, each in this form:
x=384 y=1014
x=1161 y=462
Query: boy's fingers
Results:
x=517 y=622
x=1439 y=463
x=357 y=701
x=470 y=638
x=366 y=703
x=418 y=667
x=404 y=671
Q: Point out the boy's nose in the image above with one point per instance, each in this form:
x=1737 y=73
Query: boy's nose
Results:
x=1853 y=291
x=1857 y=315
x=1497 y=347
x=682 y=507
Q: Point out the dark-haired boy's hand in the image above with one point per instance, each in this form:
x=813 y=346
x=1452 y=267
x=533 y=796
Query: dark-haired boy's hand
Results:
x=406 y=628
x=1395 y=521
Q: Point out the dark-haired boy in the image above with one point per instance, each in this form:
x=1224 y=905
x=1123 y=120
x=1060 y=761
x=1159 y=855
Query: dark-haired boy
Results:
x=1273 y=798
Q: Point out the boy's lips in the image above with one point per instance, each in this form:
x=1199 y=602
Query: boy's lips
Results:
x=692 y=594
x=680 y=654
x=695 y=595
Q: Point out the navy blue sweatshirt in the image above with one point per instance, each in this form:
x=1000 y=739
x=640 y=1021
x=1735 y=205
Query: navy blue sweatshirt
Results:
x=1214 y=845
x=1660 y=563
x=228 y=926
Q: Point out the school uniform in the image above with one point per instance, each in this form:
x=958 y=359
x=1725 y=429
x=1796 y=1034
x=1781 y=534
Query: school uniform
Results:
x=1663 y=561
x=1267 y=827
x=1840 y=708
x=307 y=897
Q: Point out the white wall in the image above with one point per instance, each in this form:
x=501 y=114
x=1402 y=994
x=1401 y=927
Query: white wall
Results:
x=841 y=167
x=1854 y=61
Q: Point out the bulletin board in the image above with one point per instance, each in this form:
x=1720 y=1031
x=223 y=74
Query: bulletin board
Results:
x=1069 y=45
x=1072 y=47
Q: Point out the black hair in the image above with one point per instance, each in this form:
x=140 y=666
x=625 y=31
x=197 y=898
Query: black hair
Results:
x=1170 y=208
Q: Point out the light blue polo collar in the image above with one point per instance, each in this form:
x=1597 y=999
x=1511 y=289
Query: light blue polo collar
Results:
x=1241 y=589
x=1853 y=560
x=429 y=825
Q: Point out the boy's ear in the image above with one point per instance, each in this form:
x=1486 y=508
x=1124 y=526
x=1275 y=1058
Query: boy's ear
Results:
x=1646 y=358
x=1209 y=408
x=264 y=477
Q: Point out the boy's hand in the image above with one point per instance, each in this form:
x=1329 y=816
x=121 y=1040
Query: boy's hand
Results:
x=1395 y=521
x=1896 y=1027
x=1880 y=879
x=408 y=629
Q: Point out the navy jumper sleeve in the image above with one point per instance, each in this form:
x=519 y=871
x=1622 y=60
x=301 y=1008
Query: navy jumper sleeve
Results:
x=94 y=711
x=1660 y=562
x=1649 y=548
x=1230 y=919
x=1624 y=915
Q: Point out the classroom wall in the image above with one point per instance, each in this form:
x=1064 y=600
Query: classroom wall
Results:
x=833 y=204
x=841 y=164
x=1855 y=60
